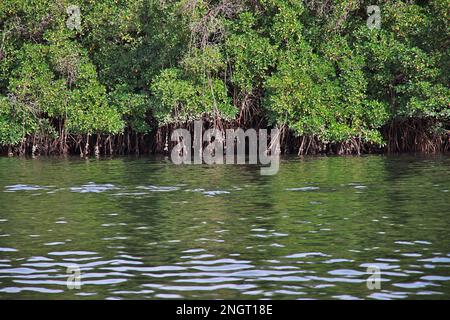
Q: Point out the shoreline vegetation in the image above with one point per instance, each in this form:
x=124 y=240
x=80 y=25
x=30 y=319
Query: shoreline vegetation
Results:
x=403 y=138
x=118 y=76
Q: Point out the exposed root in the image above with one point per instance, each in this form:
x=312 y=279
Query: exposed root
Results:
x=402 y=136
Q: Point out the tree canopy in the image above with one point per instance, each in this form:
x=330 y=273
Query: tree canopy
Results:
x=312 y=67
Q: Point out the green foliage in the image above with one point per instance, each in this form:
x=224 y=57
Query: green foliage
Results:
x=133 y=106
x=180 y=98
x=12 y=131
x=250 y=53
x=312 y=66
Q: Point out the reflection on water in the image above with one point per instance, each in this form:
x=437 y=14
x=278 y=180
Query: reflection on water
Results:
x=145 y=228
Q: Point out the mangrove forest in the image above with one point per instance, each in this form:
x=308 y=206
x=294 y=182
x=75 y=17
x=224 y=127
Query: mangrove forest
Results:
x=116 y=76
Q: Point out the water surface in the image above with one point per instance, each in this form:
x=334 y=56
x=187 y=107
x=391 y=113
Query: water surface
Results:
x=145 y=228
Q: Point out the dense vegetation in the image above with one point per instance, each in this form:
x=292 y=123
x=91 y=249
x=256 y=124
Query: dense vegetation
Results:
x=137 y=68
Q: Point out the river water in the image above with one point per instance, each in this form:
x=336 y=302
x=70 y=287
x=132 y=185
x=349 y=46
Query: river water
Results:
x=144 y=228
